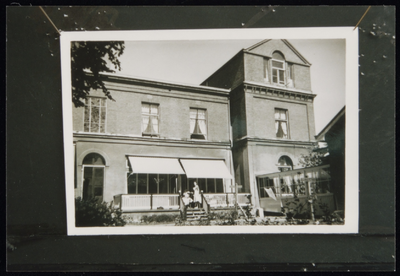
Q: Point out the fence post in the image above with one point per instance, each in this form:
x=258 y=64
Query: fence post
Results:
x=227 y=200
x=151 y=201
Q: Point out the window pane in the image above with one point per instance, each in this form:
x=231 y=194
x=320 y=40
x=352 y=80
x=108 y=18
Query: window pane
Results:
x=95 y=101
x=220 y=185
x=154 y=109
x=142 y=183
x=145 y=108
x=201 y=114
x=191 y=185
x=274 y=75
x=102 y=128
x=261 y=188
x=94 y=127
x=95 y=114
x=277 y=64
x=173 y=184
x=282 y=114
x=193 y=113
x=87 y=118
x=281 y=76
x=153 y=179
x=86 y=127
x=210 y=185
x=184 y=186
x=163 y=183
x=202 y=184
x=103 y=115
x=154 y=120
x=132 y=184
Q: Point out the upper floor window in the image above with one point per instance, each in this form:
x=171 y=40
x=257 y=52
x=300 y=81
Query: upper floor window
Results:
x=281 y=123
x=95 y=115
x=198 y=123
x=278 y=68
x=150 y=119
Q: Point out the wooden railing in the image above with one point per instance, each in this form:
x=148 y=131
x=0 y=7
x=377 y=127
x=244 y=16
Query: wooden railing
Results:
x=226 y=200
x=204 y=203
x=126 y=202
x=147 y=202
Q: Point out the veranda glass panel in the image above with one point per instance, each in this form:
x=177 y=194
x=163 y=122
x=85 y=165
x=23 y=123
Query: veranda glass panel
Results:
x=132 y=184
x=210 y=186
x=153 y=179
x=202 y=184
x=142 y=183
x=173 y=184
x=220 y=185
x=191 y=184
x=184 y=185
x=163 y=184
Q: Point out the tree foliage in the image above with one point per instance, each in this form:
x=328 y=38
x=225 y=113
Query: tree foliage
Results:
x=313 y=159
x=94 y=213
x=88 y=60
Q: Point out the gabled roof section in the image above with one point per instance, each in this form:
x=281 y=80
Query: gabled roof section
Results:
x=287 y=43
x=295 y=51
x=257 y=44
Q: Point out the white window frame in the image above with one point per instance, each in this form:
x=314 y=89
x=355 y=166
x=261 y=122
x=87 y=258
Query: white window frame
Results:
x=206 y=122
x=87 y=100
x=280 y=120
x=278 y=73
x=150 y=115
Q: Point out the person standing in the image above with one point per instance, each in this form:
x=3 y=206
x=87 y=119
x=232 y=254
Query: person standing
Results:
x=196 y=195
x=186 y=201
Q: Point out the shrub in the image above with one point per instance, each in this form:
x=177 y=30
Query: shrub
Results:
x=158 y=218
x=226 y=218
x=94 y=213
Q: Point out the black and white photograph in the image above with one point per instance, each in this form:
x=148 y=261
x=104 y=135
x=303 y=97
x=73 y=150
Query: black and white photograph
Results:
x=200 y=138
x=237 y=131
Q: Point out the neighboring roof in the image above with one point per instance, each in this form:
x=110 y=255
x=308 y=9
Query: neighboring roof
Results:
x=148 y=81
x=331 y=124
x=291 y=47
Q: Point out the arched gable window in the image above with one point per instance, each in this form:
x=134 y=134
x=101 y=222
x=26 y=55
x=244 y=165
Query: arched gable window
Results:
x=93 y=176
x=278 y=68
x=285 y=163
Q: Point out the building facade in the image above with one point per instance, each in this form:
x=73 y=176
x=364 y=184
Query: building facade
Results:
x=138 y=144
x=252 y=117
x=272 y=112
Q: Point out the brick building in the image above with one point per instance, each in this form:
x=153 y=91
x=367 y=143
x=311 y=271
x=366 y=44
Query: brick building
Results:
x=253 y=116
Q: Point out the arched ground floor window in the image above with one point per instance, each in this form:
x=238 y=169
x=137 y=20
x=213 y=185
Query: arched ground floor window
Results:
x=93 y=176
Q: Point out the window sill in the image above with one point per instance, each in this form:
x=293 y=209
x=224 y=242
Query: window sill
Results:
x=150 y=135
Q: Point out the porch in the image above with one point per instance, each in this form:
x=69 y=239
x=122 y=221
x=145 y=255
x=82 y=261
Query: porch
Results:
x=163 y=202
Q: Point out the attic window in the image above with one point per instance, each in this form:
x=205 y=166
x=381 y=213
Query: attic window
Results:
x=278 y=68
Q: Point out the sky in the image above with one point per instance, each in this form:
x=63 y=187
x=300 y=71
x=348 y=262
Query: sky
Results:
x=191 y=62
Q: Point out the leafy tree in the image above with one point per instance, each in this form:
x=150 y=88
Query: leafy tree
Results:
x=91 y=212
x=88 y=60
x=313 y=159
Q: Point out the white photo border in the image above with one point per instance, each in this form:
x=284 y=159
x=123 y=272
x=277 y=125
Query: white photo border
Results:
x=350 y=35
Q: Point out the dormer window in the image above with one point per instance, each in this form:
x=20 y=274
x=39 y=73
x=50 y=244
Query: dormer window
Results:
x=278 y=68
